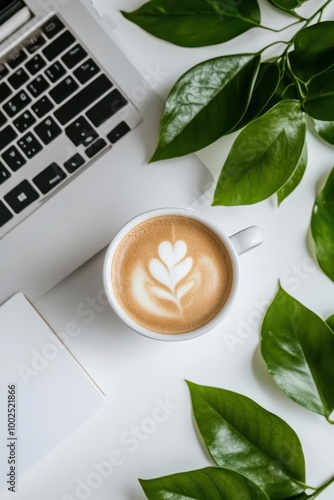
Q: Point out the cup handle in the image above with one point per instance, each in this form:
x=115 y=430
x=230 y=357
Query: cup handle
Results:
x=246 y=239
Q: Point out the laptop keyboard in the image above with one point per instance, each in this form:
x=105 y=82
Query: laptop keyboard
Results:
x=59 y=110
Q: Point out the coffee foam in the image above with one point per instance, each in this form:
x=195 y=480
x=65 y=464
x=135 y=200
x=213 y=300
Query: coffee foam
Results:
x=171 y=274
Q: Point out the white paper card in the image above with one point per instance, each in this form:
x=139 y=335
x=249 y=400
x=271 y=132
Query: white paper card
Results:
x=44 y=392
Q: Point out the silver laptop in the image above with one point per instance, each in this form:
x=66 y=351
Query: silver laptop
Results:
x=78 y=125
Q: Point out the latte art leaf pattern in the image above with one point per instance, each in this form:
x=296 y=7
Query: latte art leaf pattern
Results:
x=171 y=274
x=172 y=268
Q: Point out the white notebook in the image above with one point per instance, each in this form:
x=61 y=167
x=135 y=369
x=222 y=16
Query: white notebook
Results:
x=44 y=392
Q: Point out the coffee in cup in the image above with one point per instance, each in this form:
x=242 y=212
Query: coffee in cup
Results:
x=172 y=273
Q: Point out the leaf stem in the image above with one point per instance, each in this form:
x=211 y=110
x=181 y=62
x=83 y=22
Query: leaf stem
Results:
x=330 y=421
x=272 y=44
x=287 y=88
x=294 y=14
x=294 y=78
x=285 y=57
x=323 y=487
x=300 y=18
x=319 y=11
x=284 y=27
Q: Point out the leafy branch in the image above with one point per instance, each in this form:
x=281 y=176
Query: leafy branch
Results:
x=272 y=100
x=257 y=455
x=322 y=227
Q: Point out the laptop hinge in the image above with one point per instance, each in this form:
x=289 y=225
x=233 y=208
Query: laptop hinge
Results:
x=9 y=9
x=12 y=17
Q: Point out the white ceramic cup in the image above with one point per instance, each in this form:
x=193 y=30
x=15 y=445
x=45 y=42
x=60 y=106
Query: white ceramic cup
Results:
x=236 y=244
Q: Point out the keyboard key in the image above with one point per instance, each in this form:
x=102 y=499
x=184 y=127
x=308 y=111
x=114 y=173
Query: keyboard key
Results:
x=86 y=71
x=38 y=86
x=118 y=132
x=29 y=145
x=74 y=56
x=16 y=58
x=24 y=121
x=3 y=71
x=35 y=64
x=7 y=135
x=18 y=78
x=52 y=27
x=64 y=89
x=58 y=46
x=55 y=72
x=47 y=130
x=106 y=108
x=41 y=107
x=83 y=99
x=3 y=120
x=4 y=91
x=13 y=158
x=21 y=196
x=81 y=132
x=5 y=214
x=4 y=173
x=35 y=43
x=49 y=178
x=95 y=148
x=16 y=103
x=74 y=163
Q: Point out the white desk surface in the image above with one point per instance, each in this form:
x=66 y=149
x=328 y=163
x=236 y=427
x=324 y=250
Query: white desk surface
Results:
x=137 y=374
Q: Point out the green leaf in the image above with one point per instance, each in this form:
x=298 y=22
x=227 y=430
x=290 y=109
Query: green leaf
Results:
x=287 y=4
x=298 y=348
x=319 y=100
x=196 y=23
x=330 y=322
x=302 y=496
x=314 y=50
x=211 y=483
x=206 y=103
x=265 y=86
x=243 y=436
x=263 y=157
x=295 y=179
x=325 y=130
x=322 y=227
